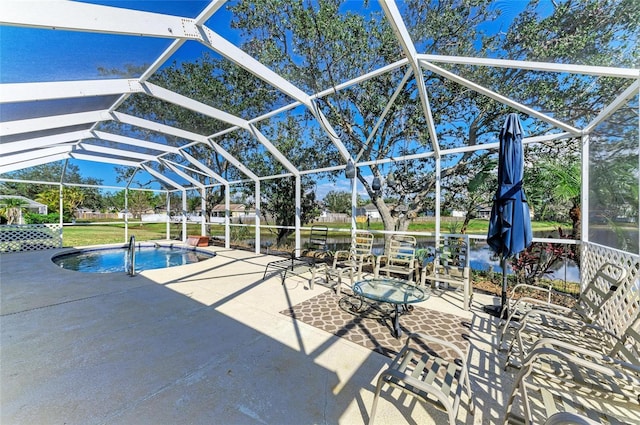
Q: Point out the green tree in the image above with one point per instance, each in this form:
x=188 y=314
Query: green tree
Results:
x=279 y=194
x=53 y=172
x=471 y=188
x=72 y=199
x=50 y=198
x=332 y=47
x=338 y=202
x=320 y=45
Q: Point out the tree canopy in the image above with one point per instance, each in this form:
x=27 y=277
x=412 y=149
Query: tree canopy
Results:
x=319 y=45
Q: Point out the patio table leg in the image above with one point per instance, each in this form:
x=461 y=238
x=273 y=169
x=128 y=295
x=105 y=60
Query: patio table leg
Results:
x=396 y=322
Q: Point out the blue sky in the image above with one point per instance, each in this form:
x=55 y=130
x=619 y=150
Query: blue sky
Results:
x=43 y=55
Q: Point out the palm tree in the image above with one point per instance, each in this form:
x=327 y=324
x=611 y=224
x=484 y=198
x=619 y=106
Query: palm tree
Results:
x=11 y=209
x=567 y=188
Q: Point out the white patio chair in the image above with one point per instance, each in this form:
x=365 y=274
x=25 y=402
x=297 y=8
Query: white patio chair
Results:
x=399 y=258
x=559 y=377
x=350 y=262
x=451 y=266
x=419 y=371
x=586 y=308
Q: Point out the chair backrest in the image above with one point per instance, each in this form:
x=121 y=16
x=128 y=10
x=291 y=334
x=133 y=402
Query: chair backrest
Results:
x=453 y=251
x=619 y=311
x=362 y=243
x=608 y=279
x=401 y=250
x=317 y=239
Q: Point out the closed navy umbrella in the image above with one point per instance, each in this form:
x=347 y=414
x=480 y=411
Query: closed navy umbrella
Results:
x=510 y=222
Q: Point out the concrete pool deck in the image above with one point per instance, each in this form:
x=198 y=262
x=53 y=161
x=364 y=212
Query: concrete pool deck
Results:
x=200 y=344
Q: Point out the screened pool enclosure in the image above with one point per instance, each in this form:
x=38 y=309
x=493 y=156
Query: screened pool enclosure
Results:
x=196 y=98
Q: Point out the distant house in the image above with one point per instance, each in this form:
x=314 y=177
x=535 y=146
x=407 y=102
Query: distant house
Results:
x=235 y=210
x=368 y=210
x=484 y=212
x=30 y=205
x=14 y=215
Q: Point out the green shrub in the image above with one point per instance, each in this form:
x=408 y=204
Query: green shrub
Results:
x=34 y=218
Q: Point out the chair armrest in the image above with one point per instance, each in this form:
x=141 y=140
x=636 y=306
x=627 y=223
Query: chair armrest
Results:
x=366 y=257
x=430 y=389
x=338 y=255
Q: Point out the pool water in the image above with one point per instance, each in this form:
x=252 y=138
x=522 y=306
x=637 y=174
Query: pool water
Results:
x=113 y=260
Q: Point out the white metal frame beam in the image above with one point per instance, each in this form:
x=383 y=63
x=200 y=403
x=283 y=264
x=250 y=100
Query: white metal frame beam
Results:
x=41 y=142
x=103 y=159
x=182 y=174
x=602 y=71
x=187 y=135
x=29 y=92
x=76 y=16
x=8 y=128
x=125 y=140
x=631 y=91
x=402 y=34
x=19 y=165
x=500 y=98
x=88 y=149
x=161 y=177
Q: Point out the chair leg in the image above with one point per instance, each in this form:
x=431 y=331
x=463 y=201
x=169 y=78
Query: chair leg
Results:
x=375 y=400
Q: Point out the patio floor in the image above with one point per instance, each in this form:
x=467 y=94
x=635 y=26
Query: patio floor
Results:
x=210 y=343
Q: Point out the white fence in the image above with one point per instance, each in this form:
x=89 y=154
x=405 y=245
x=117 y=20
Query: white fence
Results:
x=30 y=237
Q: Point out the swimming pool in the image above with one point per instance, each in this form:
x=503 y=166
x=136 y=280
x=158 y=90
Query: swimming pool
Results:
x=113 y=260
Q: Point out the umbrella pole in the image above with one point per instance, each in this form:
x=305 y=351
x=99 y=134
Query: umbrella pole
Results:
x=497 y=310
x=503 y=264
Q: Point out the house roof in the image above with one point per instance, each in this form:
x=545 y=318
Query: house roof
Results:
x=30 y=202
x=232 y=207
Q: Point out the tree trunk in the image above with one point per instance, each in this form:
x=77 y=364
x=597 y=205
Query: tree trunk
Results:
x=467 y=219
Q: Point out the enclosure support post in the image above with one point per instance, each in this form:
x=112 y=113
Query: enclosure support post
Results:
x=257 y=217
x=354 y=205
x=184 y=216
x=584 y=201
x=298 y=210
x=61 y=207
x=437 y=200
x=227 y=220
x=168 y=215
x=203 y=211
x=126 y=214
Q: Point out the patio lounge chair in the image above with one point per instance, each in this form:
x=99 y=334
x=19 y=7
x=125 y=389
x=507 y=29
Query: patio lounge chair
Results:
x=614 y=326
x=591 y=300
x=588 y=387
x=399 y=258
x=420 y=372
x=623 y=345
x=351 y=261
x=451 y=266
x=315 y=249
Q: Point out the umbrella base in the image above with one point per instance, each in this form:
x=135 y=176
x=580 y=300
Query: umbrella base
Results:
x=494 y=310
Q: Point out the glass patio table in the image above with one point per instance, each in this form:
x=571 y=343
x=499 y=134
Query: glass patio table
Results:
x=393 y=291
